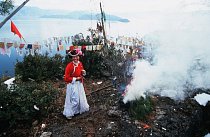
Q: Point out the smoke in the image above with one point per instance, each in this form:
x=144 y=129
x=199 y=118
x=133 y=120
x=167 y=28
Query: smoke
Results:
x=180 y=58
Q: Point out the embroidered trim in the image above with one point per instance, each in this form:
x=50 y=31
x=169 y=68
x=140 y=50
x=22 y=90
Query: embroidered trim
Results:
x=75 y=64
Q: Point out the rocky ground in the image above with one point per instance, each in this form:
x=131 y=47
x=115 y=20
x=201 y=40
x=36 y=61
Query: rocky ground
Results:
x=108 y=117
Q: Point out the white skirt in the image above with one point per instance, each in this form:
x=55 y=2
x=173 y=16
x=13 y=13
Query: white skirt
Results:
x=76 y=101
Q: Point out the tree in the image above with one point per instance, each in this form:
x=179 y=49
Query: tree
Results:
x=5 y=7
x=13 y=13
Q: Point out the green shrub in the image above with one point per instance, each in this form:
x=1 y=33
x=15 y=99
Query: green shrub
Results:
x=40 y=67
x=19 y=103
x=93 y=63
x=140 y=108
x=81 y=43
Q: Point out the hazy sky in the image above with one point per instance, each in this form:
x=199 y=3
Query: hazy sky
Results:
x=116 y=6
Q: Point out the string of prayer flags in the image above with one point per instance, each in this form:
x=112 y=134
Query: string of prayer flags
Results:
x=83 y=47
x=98 y=47
x=29 y=46
x=15 y=44
x=36 y=46
x=21 y=46
x=94 y=47
x=2 y=45
x=61 y=47
x=2 y=48
x=9 y=45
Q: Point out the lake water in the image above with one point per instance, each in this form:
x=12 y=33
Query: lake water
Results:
x=150 y=25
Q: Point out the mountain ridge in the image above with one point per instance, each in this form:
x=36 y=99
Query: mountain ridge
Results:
x=35 y=12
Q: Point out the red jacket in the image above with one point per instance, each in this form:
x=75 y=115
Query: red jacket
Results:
x=73 y=70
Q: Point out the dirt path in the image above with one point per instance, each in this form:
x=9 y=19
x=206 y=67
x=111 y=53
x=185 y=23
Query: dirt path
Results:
x=101 y=98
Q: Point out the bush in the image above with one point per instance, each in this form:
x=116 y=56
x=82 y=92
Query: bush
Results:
x=93 y=63
x=40 y=67
x=140 y=108
x=19 y=103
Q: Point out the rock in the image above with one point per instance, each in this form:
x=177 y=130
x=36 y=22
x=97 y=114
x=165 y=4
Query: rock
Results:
x=110 y=130
x=46 y=134
x=35 y=123
x=105 y=74
x=114 y=113
x=128 y=130
x=65 y=131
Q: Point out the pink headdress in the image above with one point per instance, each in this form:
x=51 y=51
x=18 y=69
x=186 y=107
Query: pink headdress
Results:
x=75 y=52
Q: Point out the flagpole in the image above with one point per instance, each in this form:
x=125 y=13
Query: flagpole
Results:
x=24 y=39
x=13 y=13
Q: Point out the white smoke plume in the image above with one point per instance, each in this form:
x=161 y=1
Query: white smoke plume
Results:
x=181 y=59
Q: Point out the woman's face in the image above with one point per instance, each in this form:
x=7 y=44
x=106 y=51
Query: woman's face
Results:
x=75 y=58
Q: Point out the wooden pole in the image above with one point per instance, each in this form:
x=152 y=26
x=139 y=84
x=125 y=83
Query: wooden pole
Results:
x=104 y=33
x=13 y=13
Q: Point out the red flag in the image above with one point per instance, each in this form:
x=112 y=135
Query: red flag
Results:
x=15 y=30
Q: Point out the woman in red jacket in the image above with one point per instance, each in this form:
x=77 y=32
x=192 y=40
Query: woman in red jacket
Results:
x=75 y=101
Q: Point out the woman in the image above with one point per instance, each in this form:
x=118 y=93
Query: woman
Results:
x=75 y=101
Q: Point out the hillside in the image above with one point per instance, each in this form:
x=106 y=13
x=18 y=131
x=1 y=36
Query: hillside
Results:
x=109 y=117
x=34 y=12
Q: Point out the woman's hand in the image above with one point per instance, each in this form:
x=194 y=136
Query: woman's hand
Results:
x=83 y=72
x=78 y=78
